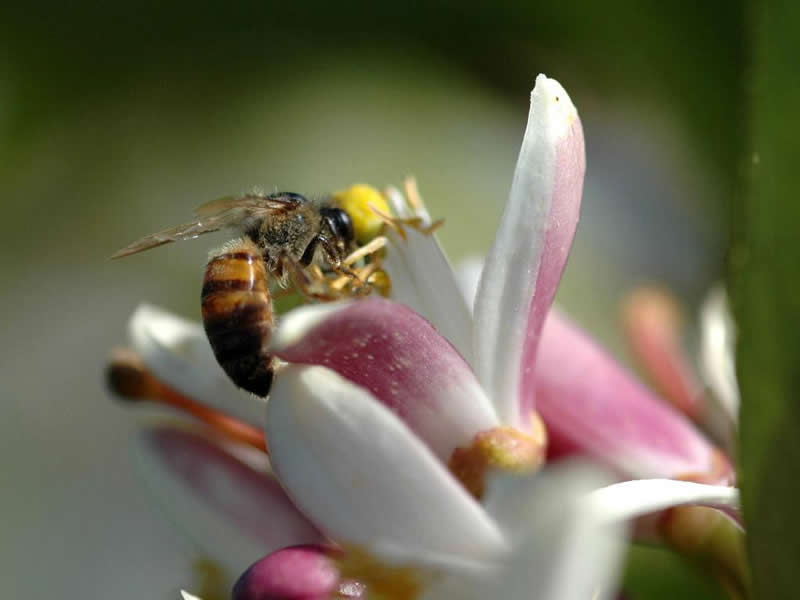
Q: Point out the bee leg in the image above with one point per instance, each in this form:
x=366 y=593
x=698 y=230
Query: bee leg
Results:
x=308 y=253
x=308 y=283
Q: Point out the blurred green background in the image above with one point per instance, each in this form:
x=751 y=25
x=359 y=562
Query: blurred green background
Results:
x=115 y=122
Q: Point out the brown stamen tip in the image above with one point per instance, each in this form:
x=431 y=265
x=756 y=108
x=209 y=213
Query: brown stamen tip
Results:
x=501 y=448
x=128 y=377
x=433 y=227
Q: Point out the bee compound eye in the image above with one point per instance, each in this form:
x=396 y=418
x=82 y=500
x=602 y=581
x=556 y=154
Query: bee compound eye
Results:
x=340 y=223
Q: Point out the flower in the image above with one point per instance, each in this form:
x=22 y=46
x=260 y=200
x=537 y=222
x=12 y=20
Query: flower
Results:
x=364 y=422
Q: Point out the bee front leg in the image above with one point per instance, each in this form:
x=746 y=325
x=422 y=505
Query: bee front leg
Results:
x=310 y=285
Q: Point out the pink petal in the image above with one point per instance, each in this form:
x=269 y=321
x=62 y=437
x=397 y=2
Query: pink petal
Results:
x=297 y=573
x=525 y=263
x=591 y=405
x=653 y=321
x=397 y=355
x=233 y=510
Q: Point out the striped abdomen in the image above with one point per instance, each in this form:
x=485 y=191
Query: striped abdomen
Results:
x=238 y=317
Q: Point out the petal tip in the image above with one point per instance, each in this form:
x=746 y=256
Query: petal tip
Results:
x=551 y=103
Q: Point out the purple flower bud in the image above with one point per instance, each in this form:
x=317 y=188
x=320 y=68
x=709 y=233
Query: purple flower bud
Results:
x=295 y=573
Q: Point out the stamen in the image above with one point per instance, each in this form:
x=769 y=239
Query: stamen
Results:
x=412 y=194
x=370 y=248
x=381 y=282
x=339 y=283
x=128 y=377
x=367 y=270
x=390 y=221
x=398 y=224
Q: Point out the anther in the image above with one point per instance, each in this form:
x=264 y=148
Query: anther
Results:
x=381 y=580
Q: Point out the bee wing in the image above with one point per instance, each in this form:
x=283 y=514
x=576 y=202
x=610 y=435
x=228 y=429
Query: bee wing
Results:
x=240 y=212
x=187 y=231
x=259 y=204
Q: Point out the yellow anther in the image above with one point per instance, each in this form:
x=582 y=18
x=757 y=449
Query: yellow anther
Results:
x=356 y=202
x=380 y=282
x=384 y=581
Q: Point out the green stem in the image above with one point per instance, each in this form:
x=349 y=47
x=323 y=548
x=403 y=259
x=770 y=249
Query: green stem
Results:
x=765 y=292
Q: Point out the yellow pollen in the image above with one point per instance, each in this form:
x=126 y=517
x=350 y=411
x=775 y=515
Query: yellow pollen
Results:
x=382 y=581
x=380 y=281
x=360 y=201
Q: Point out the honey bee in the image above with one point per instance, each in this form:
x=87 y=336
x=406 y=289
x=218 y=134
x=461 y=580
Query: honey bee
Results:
x=283 y=234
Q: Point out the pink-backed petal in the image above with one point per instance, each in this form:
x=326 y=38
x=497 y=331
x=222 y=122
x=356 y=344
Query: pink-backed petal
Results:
x=354 y=468
x=400 y=358
x=296 y=573
x=530 y=251
x=230 y=506
x=592 y=405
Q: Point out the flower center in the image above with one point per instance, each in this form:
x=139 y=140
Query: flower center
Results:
x=500 y=448
x=381 y=581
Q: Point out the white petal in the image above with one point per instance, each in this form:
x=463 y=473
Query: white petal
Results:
x=355 y=469
x=177 y=352
x=468 y=275
x=530 y=250
x=564 y=548
x=631 y=499
x=187 y=596
x=231 y=510
x=423 y=279
x=717 y=347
